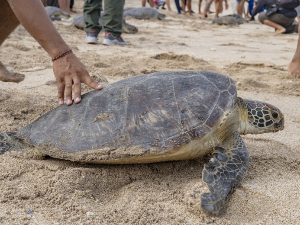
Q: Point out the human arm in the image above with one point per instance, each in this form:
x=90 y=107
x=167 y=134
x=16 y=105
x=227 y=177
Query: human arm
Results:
x=258 y=5
x=68 y=70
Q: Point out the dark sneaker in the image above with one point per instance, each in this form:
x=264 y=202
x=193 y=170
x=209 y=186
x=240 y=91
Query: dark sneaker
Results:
x=92 y=37
x=109 y=39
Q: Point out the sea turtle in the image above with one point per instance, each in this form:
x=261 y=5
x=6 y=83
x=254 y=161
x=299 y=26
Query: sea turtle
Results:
x=126 y=27
x=153 y=118
x=230 y=20
x=53 y=12
x=143 y=13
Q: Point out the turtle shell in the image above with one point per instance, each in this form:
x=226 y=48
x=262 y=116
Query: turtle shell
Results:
x=144 y=115
x=142 y=13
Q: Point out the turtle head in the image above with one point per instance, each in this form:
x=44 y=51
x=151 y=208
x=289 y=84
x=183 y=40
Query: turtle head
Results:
x=259 y=117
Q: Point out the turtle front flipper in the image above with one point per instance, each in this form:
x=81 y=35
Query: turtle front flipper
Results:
x=224 y=171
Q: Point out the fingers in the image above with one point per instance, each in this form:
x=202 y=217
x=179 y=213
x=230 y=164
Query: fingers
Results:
x=68 y=92
x=90 y=82
x=77 y=91
x=64 y=88
x=70 y=71
x=61 y=91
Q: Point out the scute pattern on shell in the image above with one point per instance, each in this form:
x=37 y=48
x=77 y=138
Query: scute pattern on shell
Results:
x=160 y=110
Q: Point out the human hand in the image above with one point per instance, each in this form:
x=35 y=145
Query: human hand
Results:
x=294 y=69
x=69 y=71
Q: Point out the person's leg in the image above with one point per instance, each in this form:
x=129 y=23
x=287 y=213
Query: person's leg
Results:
x=189 y=6
x=8 y=23
x=168 y=5
x=206 y=9
x=277 y=21
x=240 y=7
x=279 y=29
x=64 y=6
x=199 y=6
x=183 y=6
x=247 y=14
x=151 y=3
x=112 y=22
x=178 y=6
x=251 y=3
x=281 y=19
x=218 y=5
x=91 y=15
x=143 y=3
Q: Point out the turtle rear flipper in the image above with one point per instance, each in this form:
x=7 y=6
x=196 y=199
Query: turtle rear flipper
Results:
x=128 y=28
x=5 y=144
x=161 y=16
x=223 y=172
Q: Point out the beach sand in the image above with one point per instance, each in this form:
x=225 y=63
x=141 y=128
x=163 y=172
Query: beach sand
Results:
x=54 y=191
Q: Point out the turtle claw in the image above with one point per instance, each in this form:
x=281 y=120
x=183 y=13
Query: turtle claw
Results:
x=221 y=157
x=212 y=164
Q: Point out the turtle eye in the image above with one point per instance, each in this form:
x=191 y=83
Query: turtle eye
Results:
x=274 y=114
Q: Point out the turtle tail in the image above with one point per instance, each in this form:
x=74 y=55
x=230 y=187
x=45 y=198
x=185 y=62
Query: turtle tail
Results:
x=5 y=144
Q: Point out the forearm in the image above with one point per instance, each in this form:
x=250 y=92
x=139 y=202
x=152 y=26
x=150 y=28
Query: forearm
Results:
x=33 y=17
x=254 y=11
x=257 y=8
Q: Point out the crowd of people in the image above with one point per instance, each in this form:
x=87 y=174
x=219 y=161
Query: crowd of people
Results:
x=282 y=19
x=68 y=69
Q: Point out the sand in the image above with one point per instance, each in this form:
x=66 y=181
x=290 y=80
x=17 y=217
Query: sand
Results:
x=54 y=191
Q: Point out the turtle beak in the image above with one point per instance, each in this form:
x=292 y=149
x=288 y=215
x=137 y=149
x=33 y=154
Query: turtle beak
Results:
x=279 y=125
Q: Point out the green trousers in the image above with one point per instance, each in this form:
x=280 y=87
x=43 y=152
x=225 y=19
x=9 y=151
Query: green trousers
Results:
x=111 y=19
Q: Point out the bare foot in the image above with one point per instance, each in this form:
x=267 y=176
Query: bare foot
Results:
x=7 y=76
x=294 y=68
x=280 y=31
x=210 y=12
x=203 y=16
